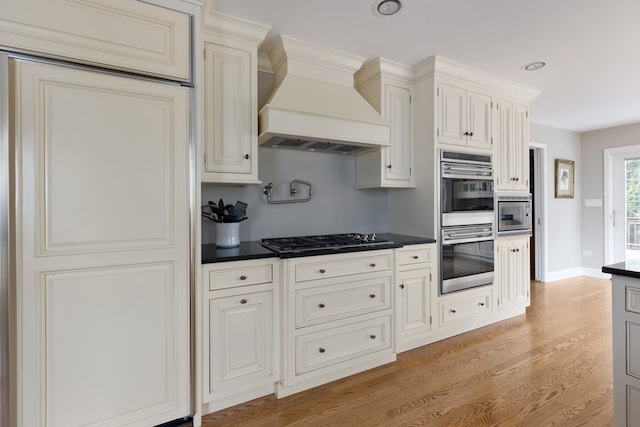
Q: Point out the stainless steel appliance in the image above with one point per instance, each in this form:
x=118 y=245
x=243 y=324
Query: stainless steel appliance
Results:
x=466 y=185
x=288 y=247
x=513 y=213
x=467 y=258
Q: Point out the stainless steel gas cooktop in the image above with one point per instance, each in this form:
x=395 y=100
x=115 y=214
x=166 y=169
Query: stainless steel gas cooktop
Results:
x=328 y=243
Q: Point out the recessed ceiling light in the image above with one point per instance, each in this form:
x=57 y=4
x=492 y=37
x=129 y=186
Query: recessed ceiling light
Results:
x=533 y=66
x=387 y=7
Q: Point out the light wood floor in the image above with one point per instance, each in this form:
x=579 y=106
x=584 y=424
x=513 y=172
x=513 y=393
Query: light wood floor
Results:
x=550 y=367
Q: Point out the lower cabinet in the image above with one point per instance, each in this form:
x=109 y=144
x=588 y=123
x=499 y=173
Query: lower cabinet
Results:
x=626 y=350
x=241 y=335
x=414 y=294
x=336 y=317
x=512 y=271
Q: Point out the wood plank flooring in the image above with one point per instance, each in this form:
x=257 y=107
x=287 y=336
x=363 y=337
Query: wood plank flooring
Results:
x=550 y=367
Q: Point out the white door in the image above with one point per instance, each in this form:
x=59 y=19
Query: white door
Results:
x=624 y=208
x=101 y=215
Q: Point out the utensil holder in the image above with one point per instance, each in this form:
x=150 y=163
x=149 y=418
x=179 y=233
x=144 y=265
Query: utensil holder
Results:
x=228 y=234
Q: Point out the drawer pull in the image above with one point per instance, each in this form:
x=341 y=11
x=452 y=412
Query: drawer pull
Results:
x=452 y=310
x=243 y=301
x=402 y=286
x=321 y=350
x=321 y=305
x=372 y=265
x=415 y=257
x=481 y=303
x=243 y=277
x=322 y=271
x=372 y=296
x=373 y=337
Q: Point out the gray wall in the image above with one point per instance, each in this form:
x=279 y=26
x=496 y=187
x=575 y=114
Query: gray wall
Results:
x=336 y=207
x=593 y=144
x=563 y=215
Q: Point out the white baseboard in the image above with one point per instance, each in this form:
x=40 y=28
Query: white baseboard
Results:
x=552 y=276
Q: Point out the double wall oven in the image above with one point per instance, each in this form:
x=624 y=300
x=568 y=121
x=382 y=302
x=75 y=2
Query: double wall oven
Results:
x=467 y=221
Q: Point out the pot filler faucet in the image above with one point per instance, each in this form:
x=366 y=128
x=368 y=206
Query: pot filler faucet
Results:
x=293 y=190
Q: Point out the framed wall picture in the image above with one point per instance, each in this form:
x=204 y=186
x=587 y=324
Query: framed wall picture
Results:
x=565 y=177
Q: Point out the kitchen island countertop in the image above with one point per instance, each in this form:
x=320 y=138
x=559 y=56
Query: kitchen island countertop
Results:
x=630 y=268
x=254 y=250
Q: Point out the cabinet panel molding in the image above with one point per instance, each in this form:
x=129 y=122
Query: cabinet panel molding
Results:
x=123 y=34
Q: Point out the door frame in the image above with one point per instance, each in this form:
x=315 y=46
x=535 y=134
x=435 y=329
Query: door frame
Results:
x=540 y=210
x=609 y=159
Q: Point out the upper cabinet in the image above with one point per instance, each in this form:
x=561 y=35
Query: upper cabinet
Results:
x=464 y=116
x=123 y=34
x=230 y=141
x=388 y=87
x=512 y=151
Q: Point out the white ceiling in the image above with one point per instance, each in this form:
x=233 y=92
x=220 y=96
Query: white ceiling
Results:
x=592 y=47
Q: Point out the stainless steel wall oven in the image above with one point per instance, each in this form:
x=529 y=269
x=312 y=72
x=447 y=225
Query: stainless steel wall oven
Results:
x=466 y=221
x=467 y=257
x=466 y=188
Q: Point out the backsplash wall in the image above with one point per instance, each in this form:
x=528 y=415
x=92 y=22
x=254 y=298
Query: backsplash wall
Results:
x=336 y=206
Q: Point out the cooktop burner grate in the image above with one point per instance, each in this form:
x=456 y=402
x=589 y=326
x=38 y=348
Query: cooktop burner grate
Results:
x=329 y=241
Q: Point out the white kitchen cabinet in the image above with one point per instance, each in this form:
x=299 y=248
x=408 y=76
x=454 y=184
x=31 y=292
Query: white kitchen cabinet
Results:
x=388 y=87
x=626 y=349
x=512 y=271
x=466 y=305
x=414 y=294
x=240 y=331
x=230 y=143
x=464 y=117
x=336 y=317
x=512 y=150
x=101 y=249
x=123 y=34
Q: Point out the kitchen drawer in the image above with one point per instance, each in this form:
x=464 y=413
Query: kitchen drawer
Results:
x=633 y=299
x=463 y=308
x=331 y=346
x=332 y=302
x=414 y=256
x=240 y=276
x=365 y=262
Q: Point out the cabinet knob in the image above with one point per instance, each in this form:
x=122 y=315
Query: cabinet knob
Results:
x=243 y=277
x=372 y=265
x=481 y=304
x=246 y=156
x=402 y=286
x=321 y=305
x=322 y=271
x=373 y=337
x=372 y=296
x=321 y=350
x=243 y=301
x=466 y=134
x=452 y=310
x=415 y=257
x=388 y=166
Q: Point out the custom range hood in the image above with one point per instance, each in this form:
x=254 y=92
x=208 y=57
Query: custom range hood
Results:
x=314 y=106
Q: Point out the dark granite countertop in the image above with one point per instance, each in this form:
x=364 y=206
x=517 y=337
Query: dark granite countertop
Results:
x=254 y=250
x=630 y=268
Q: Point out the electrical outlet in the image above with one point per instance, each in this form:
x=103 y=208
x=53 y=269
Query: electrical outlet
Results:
x=587 y=253
x=592 y=203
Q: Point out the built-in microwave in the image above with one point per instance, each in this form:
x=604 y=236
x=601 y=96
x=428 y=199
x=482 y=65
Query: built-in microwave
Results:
x=513 y=213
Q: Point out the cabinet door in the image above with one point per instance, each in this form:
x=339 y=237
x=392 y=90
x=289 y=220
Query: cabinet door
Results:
x=241 y=339
x=452 y=115
x=398 y=111
x=415 y=301
x=228 y=115
x=479 y=119
x=101 y=217
x=512 y=272
x=129 y=35
x=520 y=147
x=504 y=176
